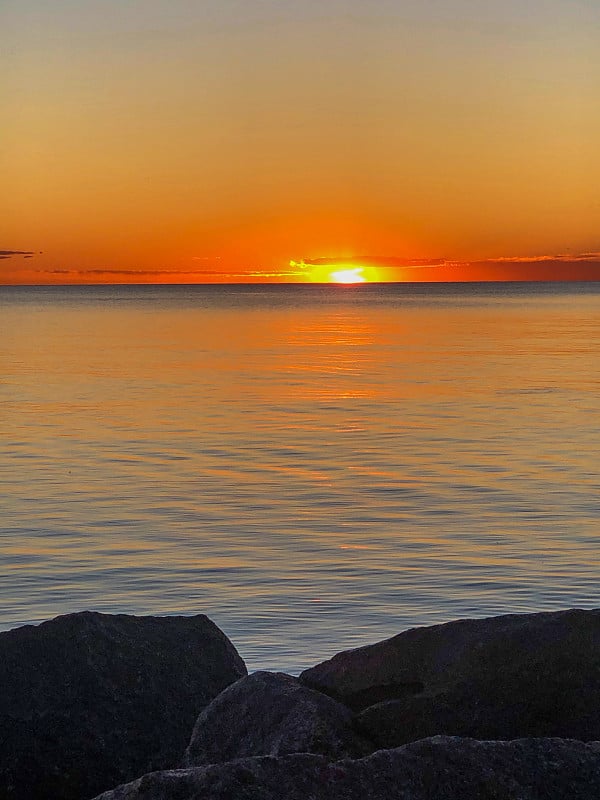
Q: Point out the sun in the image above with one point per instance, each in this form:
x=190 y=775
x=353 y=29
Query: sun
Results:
x=353 y=275
x=325 y=270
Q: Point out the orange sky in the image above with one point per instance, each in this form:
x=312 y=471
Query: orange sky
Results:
x=218 y=141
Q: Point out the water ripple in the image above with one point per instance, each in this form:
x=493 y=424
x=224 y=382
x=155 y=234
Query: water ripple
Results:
x=314 y=471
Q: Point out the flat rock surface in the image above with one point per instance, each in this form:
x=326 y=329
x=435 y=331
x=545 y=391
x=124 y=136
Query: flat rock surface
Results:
x=441 y=768
x=270 y=713
x=90 y=700
x=500 y=678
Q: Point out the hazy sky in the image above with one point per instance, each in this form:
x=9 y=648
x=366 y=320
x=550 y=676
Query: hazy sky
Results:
x=229 y=136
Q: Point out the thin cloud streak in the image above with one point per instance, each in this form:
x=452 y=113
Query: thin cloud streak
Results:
x=171 y=274
x=416 y=263
x=560 y=258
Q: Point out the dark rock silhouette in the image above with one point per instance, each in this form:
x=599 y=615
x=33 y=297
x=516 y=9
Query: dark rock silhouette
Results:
x=500 y=678
x=270 y=713
x=88 y=701
x=91 y=700
x=441 y=768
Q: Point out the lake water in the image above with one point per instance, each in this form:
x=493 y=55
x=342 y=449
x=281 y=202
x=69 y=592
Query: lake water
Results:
x=314 y=467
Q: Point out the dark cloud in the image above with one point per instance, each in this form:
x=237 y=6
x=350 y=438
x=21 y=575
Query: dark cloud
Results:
x=373 y=261
x=14 y=253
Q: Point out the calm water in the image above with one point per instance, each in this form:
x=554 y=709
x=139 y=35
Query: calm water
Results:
x=313 y=467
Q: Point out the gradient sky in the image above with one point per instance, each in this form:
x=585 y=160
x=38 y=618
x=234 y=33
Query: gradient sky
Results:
x=219 y=139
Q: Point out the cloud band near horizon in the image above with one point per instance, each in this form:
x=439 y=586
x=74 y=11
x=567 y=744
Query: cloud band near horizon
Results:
x=562 y=266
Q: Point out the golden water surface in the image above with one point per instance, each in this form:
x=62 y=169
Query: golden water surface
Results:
x=313 y=467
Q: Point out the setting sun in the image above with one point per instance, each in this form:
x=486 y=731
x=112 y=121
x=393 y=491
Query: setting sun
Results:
x=327 y=270
x=353 y=275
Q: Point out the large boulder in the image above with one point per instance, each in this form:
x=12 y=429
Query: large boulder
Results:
x=270 y=713
x=90 y=700
x=499 y=678
x=431 y=769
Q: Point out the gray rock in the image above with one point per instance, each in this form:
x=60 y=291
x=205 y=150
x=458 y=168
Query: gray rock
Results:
x=90 y=700
x=395 y=722
x=499 y=678
x=269 y=713
x=432 y=769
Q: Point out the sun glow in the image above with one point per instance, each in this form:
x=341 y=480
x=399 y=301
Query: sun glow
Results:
x=330 y=271
x=353 y=275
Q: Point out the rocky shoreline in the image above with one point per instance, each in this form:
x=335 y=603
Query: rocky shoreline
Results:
x=162 y=708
